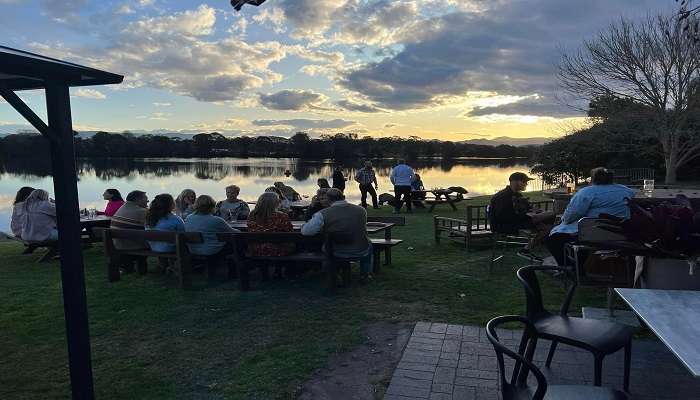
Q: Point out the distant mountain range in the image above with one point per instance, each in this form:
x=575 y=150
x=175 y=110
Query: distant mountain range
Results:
x=533 y=141
x=9 y=129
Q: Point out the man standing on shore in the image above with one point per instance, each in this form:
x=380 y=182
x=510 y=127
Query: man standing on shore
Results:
x=366 y=177
x=402 y=176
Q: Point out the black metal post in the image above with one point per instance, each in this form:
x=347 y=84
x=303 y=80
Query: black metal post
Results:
x=67 y=212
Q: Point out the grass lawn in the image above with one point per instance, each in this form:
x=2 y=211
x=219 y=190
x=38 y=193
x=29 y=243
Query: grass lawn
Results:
x=151 y=340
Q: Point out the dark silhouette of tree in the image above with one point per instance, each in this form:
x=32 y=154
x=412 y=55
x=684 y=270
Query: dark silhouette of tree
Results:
x=652 y=66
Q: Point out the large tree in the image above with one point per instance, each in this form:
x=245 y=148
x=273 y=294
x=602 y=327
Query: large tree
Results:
x=650 y=63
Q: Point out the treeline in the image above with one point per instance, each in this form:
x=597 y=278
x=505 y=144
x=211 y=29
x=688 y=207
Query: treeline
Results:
x=619 y=137
x=339 y=146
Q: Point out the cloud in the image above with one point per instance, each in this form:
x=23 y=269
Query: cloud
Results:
x=352 y=106
x=175 y=52
x=197 y=22
x=529 y=106
x=88 y=94
x=156 y=104
x=303 y=124
x=373 y=22
x=388 y=126
x=63 y=10
x=497 y=49
x=293 y=100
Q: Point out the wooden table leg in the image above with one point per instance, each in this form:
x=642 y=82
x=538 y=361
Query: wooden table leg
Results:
x=387 y=251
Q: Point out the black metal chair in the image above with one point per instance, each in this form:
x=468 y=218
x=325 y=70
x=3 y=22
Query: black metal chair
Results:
x=598 y=337
x=517 y=389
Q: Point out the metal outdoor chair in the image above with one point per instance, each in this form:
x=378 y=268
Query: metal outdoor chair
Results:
x=516 y=388
x=601 y=338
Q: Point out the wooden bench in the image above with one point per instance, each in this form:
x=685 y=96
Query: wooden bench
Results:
x=476 y=225
x=385 y=245
x=182 y=258
x=315 y=250
x=29 y=248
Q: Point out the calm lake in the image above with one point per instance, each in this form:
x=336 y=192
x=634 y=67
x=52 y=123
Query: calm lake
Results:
x=253 y=175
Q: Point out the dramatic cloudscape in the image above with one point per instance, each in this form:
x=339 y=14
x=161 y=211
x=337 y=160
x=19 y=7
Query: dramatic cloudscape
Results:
x=446 y=69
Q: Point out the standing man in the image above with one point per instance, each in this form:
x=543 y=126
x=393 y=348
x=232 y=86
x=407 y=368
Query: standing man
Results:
x=339 y=178
x=349 y=220
x=366 y=177
x=402 y=177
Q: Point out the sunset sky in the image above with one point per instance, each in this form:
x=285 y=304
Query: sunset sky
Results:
x=446 y=69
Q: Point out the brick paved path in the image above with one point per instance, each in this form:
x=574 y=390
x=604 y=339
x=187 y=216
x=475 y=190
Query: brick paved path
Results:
x=455 y=362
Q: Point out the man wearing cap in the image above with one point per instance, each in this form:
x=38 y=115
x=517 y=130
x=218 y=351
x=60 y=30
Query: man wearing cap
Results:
x=510 y=212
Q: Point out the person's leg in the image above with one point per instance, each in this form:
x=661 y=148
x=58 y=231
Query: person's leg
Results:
x=373 y=193
x=397 y=192
x=366 y=264
x=363 y=195
x=407 y=194
x=555 y=244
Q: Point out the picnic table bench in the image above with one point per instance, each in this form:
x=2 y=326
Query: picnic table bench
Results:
x=476 y=225
x=88 y=237
x=181 y=258
x=445 y=196
x=315 y=250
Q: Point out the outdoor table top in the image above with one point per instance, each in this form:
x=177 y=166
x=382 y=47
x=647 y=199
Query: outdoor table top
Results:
x=674 y=316
x=97 y=220
x=301 y=204
x=667 y=194
x=372 y=227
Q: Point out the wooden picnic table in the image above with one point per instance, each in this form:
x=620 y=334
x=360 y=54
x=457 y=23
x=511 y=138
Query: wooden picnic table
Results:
x=438 y=194
x=87 y=224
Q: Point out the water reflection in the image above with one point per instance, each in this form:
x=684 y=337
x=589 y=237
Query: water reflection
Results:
x=253 y=175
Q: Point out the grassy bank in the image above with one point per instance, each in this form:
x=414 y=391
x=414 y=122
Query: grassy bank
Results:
x=152 y=340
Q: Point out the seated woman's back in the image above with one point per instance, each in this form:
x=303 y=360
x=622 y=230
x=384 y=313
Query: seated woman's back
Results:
x=209 y=225
x=39 y=218
x=160 y=217
x=266 y=218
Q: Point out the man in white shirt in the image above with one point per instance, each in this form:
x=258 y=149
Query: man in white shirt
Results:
x=401 y=177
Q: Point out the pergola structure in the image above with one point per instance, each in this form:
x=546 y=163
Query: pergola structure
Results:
x=20 y=70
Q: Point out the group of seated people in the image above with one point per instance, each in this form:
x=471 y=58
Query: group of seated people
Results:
x=509 y=211
x=34 y=219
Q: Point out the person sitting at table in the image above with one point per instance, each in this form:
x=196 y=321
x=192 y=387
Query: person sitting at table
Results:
x=339 y=178
x=323 y=183
x=417 y=191
x=601 y=197
x=160 y=217
x=18 y=216
x=287 y=191
x=233 y=208
x=114 y=201
x=285 y=204
x=348 y=220
x=318 y=203
x=509 y=212
x=132 y=215
x=203 y=220
x=39 y=218
x=266 y=217
x=184 y=203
